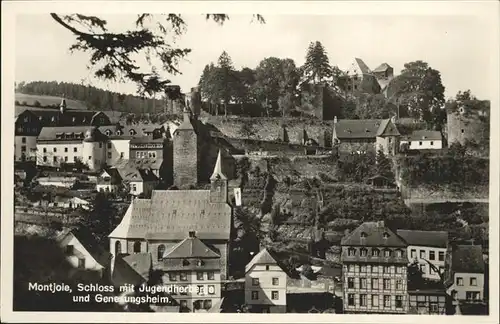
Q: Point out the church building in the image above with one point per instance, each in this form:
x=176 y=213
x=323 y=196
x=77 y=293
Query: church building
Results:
x=155 y=226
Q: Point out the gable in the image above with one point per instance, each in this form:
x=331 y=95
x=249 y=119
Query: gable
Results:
x=387 y=128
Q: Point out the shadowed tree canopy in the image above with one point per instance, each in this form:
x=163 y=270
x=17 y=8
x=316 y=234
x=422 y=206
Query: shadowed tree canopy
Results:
x=317 y=67
x=115 y=54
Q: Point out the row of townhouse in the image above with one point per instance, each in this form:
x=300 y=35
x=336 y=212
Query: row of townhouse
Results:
x=376 y=265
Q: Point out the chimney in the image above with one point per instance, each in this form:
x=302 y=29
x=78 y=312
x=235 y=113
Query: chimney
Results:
x=192 y=234
x=335 y=119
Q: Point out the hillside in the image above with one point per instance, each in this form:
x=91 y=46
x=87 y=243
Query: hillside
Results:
x=29 y=100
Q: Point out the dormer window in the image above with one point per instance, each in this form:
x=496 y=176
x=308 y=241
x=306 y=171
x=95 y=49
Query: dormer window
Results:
x=119 y=132
x=132 y=132
x=375 y=252
x=363 y=252
x=386 y=235
x=351 y=252
x=387 y=253
x=69 y=249
x=199 y=263
x=185 y=262
x=108 y=132
x=363 y=235
x=74 y=119
x=399 y=253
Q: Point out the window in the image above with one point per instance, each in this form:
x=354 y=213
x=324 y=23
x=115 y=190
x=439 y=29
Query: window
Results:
x=255 y=295
x=81 y=263
x=185 y=262
x=118 y=248
x=434 y=308
x=374 y=283
x=23 y=148
x=363 y=235
x=134 y=187
x=255 y=281
x=161 y=250
x=460 y=281
x=100 y=145
x=200 y=290
x=44 y=150
x=386 y=235
x=65 y=159
x=472 y=295
x=23 y=140
x=387 y=253
x=90 y=157
x=399 y=284
x=55 y=159
x=210 y=275
x=75 y=158
x=69 y=249
x=375 y=269
x=399 y=301
x=55 y=149
x=199 y=276
x=363 y=268
x=374 y=300
x=441 y=256
x=183 y=290
x=399 y=269
x=387 y=269
x=267 y=266
x=44 y=159
x=350 y=282
x=473 y=281
x=399 y=253
x=172 y=276
x=211 y=289
x=387 y=301
x=362 y=300
x=122 y=154
x=350 y=299
x=137 y=247
x=362 y=283
x=387 y=284
x=274 y=295
x=65 y=150
x=363 y=252
x=432 y=255
x=422 y=254
x=432 y=143
x=75 y=149
x=184 y=276
x=275 y=281
x=420 y=143
x=423 y=268
x=375 y=252
x=351 y=252
x=462 y=131
x=350 y=268
x=109 y=145
x=109 y=155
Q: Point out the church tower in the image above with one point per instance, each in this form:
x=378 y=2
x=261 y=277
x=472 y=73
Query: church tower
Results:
x=218 y=183
x=185 y=147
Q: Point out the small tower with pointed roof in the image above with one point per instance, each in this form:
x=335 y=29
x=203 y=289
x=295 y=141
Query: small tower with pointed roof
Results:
x=62 y=106
x=185 y=148
x=218 y=183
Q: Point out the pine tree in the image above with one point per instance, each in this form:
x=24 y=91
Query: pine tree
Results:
x=384 y=165
x=317 y=66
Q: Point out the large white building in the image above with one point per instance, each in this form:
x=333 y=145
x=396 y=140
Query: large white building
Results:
x=428 y=249
x=423 y=140
x=265 y=284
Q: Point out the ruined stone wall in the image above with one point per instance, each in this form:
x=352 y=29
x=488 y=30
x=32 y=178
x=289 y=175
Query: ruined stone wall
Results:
x=185 y=158
x=462 y=127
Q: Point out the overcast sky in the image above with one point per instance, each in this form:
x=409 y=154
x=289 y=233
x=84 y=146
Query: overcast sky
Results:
x=458 y=46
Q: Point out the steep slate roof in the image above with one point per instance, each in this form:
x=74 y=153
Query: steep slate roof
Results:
x=263 y=257
x=140 y=262
x=136 y=174
x=170 y=212
x=364 y=128
x=381 y=68
x=425 y=238
x=190 y=247
x=218 y=174
x=374 y=231
x=146 y=140
x=145 y=163
x=468 y=259
x=419 y=135
x=115 y=178
x=54 y=117
x=362 y=65
x=85 y=237
x=49 y=133
x=383 y=83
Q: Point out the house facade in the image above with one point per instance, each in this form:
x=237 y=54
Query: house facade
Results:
x=374 y=276
x=29 y=124
x=360 y=78
x=195 y=269
x=428 y=249
x=427 y=302
x=265 y=284
x=423 y=140
x=465 y=273
x=365 y=135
